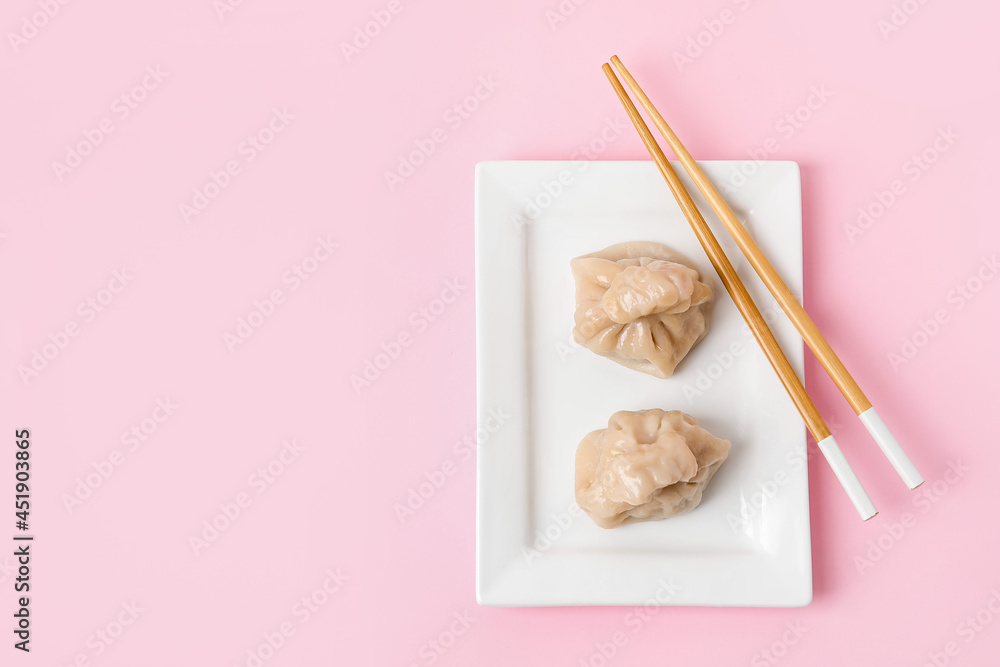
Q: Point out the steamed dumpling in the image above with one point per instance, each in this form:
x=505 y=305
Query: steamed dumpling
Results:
x=646 y=465
x=640 y=304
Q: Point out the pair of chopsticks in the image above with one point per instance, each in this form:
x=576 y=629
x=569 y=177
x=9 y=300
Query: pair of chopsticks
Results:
x=806 y=328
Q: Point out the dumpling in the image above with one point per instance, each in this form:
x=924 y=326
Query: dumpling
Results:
x=644 y=466
x=640 y=304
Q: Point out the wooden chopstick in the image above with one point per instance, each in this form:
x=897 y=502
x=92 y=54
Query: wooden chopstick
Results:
x=796 y=313
x=737 y=290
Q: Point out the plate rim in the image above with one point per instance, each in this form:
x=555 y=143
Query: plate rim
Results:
x=485 y=591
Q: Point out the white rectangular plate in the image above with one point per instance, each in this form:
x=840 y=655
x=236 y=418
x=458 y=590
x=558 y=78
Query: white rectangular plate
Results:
x=538 y=394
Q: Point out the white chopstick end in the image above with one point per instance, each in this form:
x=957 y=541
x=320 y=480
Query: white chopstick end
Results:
x=852 y=485
x=891 y=448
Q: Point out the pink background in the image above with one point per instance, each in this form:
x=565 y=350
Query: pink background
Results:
x=162 y=336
